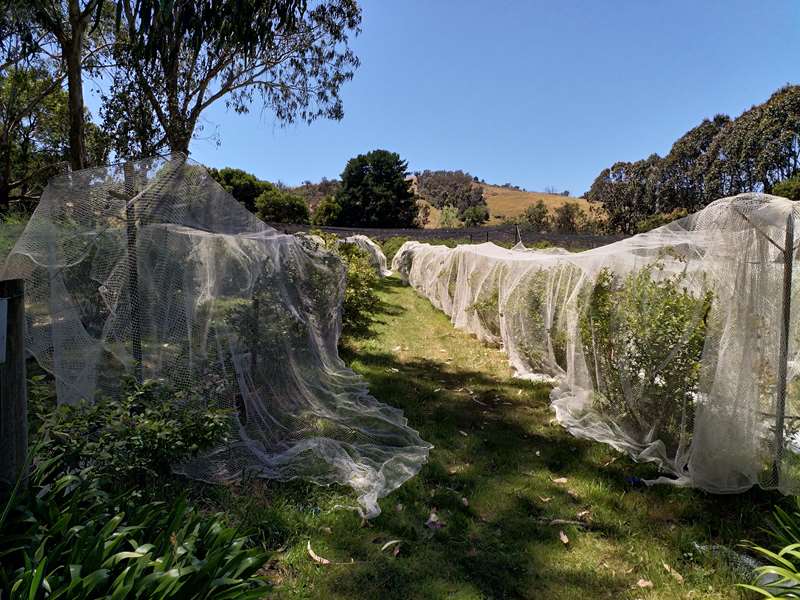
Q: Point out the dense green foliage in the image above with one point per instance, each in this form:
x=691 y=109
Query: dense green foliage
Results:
x=643 y=337
x=68 y=538
x=788 y=188
x=243 y=186
x=779 y=577
x=360 y=299
x=276 y=205
x=475 y=215
x=376 y=193
x=92 y=521
x=133 y=440
x=720 y=157
x=327 y=211
x=314 y=193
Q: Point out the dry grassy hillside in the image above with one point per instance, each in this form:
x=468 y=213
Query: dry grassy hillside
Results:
x=505 y=202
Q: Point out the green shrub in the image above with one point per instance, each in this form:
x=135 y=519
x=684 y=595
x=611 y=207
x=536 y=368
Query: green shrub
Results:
x=67 y=538
x=783 y=563
x=392 y=245
x=659 y=219
x=275 y=205
x=788 y=188
x=131 y=440
x=360 y=299
x=474 y=216
x=643 y=339
x=327 y=212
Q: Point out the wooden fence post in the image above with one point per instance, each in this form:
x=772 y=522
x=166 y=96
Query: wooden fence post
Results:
x=13 y=388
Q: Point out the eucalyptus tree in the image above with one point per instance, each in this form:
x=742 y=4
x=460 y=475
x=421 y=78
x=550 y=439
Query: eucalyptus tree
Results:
x=178 y=58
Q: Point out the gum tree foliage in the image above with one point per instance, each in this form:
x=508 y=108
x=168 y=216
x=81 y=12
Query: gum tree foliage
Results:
x=275 y=205
x=375 y=192
x=454 y=188
x=181 y=57
x=69 y=31
x=720 y=157
x=34 y=135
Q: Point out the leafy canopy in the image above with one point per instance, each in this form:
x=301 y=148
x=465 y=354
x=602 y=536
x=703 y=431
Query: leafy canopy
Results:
x=375 y=192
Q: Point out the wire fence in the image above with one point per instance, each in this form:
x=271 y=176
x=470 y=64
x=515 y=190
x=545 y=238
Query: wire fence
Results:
x=501 y=235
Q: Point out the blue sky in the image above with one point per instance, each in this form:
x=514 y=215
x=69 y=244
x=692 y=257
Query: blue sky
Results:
x=536 y=93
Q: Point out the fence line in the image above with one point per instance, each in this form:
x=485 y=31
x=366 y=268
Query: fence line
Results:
x=474 y=235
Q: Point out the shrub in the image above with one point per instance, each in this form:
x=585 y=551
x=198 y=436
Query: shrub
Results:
x=788 y=188
x=360 y=299
x=274 y=205
x=243 y=186
x=130 y=440
x=327 y=212
x=448 y=218
x=392 y=245
x=568 y=218
x=659 y=219
x=779 y=577
x=643 y=338
x=475 y=215
x=68 y=538
x=537 y=217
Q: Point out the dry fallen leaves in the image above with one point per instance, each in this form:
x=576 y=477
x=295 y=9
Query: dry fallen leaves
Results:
x=644 y=583
x=559 y=480
x=315 y=556
x=563 y=537
x=545 y=498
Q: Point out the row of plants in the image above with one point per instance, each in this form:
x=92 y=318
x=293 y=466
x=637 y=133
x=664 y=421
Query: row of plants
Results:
x=92 y=520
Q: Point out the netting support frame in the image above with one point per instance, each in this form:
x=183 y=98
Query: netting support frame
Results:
x=133 y=270
x=783 y=356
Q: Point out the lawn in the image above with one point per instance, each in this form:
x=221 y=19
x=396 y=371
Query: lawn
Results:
x=509 y=504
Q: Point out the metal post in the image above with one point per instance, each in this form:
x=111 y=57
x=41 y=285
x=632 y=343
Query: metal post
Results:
x=518 y=237
x=13 y=389
x=487 y=236
x=133 y=271
x=783 y=357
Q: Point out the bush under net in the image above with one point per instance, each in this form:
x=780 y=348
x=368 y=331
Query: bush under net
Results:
x=152 y=269
x=678 y=346
x=373 y=251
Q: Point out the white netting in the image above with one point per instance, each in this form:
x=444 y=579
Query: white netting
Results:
x=666 y=345
x=156 y=265
x=373 y=250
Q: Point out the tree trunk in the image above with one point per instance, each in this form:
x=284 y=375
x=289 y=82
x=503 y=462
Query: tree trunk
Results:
x=72 y=50
x=77 y=143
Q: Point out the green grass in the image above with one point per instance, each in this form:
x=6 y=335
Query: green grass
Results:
x=493 y=479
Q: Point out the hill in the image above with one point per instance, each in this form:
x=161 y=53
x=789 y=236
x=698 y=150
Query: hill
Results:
x=508 y=202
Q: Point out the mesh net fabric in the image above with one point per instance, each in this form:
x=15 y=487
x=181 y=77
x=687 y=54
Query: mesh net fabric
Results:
x=373 y=251
x=228 y=308
x=666 y=345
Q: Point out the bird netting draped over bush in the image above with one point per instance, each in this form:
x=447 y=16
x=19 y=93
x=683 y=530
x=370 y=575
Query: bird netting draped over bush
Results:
x=678 y=346
x=152 y=269
x=373 y=251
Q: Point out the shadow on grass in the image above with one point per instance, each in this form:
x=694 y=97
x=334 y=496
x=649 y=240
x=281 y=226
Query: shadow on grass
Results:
x=494 y=480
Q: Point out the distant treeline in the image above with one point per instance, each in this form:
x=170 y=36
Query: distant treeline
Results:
x=754 y=152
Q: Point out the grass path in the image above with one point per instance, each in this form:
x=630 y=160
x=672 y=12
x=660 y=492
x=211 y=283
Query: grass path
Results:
x=500 y=473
